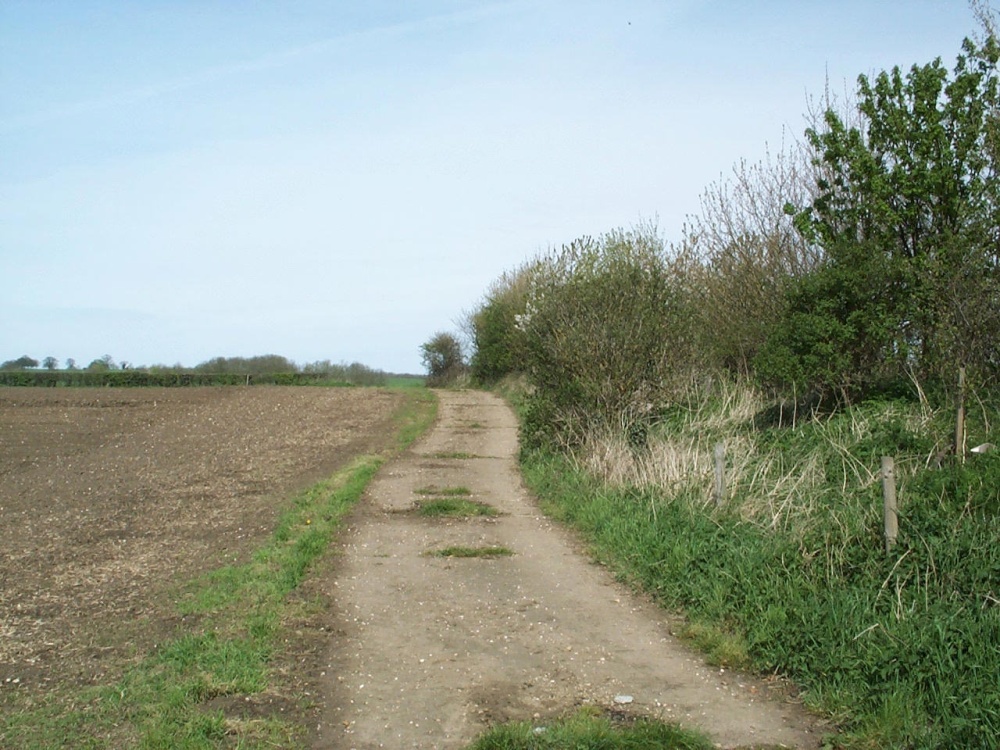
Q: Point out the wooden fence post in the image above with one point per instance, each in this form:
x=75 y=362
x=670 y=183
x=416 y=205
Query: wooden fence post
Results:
x=890 y=517
x=720 y=474
x=960 y=418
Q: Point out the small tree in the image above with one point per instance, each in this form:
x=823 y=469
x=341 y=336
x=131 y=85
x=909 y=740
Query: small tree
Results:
x=442 y=357
x=50 y=363
x=104 y=364
x=906 y=212
x=24 y=362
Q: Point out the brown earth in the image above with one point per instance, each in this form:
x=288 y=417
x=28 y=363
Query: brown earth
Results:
x=427 y=651
x=110 y=498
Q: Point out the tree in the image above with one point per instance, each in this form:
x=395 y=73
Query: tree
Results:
x=50 y=363
x=442 y=358
x=498 y=343
x=70 y=364
x=906 y=213
x=104 y=364
x=24 y=362
x=745 y=252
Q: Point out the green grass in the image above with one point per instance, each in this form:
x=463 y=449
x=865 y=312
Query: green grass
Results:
x=586 y=730
x=235 y=615
x=415 y=416
x=435 y=491
x=486 y=552
x=405 y=381
x=900 y=649
x=454 y=454
x=453 y=507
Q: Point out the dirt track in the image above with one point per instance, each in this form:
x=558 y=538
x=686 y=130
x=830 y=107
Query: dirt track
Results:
x=430 y=650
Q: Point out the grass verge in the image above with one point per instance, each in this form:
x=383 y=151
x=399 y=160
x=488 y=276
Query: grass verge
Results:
x=588 y=730
x=185 y=693
x=901 y=649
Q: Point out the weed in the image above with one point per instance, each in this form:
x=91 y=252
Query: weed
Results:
x=451 y=507
x=487 y=552
x=435 y=491
x=586 y=729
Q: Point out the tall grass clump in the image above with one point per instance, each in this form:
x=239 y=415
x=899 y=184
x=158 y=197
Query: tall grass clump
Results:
x=790 y=575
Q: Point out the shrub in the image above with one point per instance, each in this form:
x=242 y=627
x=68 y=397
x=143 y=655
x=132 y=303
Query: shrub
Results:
x=498 y=342
x=606 y=335
x=442 y=357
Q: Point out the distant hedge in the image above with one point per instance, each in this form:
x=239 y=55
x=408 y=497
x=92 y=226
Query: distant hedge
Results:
x=139 y=378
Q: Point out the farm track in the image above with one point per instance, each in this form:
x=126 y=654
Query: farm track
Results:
x=425 y=652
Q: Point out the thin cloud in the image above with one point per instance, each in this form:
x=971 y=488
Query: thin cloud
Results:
x=271 y=61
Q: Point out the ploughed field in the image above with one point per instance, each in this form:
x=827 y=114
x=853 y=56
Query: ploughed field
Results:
x=110 y=499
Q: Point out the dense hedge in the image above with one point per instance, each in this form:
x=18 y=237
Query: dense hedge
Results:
x=140 y=378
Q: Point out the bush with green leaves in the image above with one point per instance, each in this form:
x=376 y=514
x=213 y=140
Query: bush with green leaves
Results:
x=443 y=358
x=607 y=336
x=498 y=341
x=906 y=212
x=24 y=362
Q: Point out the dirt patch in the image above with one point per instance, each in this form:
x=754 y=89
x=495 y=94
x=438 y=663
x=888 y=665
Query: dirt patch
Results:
x=109 y=498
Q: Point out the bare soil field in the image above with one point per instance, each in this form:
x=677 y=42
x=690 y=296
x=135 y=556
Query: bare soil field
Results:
x=110 y=498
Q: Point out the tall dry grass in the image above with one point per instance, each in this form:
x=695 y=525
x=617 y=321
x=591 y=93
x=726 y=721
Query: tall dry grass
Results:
x=776 y=477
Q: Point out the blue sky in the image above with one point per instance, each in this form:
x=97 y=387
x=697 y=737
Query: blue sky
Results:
x=340 y=180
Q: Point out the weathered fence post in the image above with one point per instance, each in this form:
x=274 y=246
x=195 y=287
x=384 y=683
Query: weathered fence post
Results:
x=720 y=474
x=960 y=418
x=890 y=517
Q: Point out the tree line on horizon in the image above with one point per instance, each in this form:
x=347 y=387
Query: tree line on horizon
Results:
x=267 y=364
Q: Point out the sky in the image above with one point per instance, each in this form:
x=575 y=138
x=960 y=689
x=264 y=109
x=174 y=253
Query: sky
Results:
x=340 y=180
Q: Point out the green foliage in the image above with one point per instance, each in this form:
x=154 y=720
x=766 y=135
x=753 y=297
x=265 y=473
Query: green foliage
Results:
x=901 y=648
x=742 y=252
x=103 y=364
x=23 y=362
x=586 y=730
x=905 y=210
x=259 y=365
x=142 y=378
x=354 y=373
x=498 y=341
x=832 y=337
x=454 y=507
x=606 y=335
x=443 y=359
x=434 y=490
x=101 y=376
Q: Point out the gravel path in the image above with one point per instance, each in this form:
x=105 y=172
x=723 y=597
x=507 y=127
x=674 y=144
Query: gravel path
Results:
x=431 y=650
